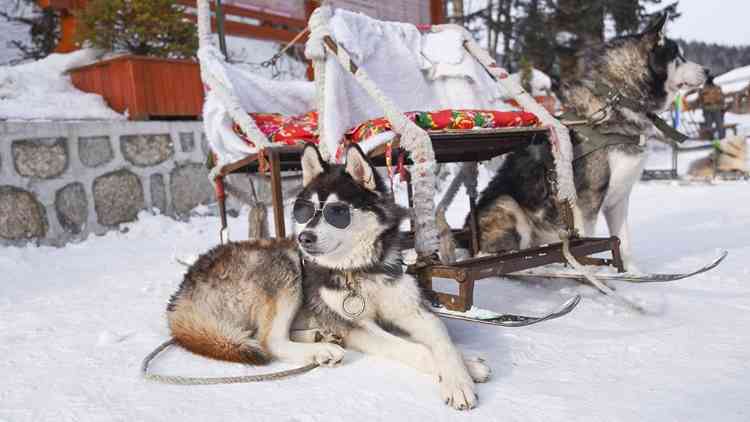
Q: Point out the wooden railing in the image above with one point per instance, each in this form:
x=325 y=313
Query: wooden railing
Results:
x=269 y=27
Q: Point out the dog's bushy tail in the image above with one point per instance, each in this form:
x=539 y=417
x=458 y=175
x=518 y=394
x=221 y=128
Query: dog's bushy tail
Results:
x=216 y=339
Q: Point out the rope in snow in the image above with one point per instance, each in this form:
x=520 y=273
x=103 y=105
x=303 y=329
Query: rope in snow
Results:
x=591 y=278
x=178 y=380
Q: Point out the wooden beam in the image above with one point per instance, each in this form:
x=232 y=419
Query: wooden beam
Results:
x=68 y=27
x=254 y=31
x=62 y=4
x=437 y=12
x=231 y=10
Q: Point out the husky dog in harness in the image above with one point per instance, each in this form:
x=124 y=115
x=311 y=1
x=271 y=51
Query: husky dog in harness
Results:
x=343 y=275
x=625 y=82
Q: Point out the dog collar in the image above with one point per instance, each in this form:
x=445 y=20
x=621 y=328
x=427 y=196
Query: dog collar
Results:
x=354 y=303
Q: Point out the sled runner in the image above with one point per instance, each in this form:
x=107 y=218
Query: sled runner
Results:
x=354 y=94
x=624 y=277
x=483 y=316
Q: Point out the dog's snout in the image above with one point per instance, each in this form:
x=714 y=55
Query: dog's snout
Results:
x=307 y=238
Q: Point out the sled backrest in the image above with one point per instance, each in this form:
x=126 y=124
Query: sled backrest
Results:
x=416 y=69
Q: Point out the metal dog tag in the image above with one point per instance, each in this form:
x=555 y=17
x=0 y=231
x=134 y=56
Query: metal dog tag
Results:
x=353 y=304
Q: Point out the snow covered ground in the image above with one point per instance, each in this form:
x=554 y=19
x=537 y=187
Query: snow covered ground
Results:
x=76 y=322
x=42 y=90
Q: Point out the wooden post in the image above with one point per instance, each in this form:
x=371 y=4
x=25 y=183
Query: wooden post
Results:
x=616 y=254
x=276 y=194
x=437 y=12
x=466 y=293
x=474 y=226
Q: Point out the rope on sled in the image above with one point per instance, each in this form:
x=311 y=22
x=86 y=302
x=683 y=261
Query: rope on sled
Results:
x=211 y=62
x=562 y=148
x=413 y=138
x=178 y=380
x=591 y=278
x=315 y=51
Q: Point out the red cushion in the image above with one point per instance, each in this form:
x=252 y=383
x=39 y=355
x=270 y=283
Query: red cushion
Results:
x=289 y=130
x=447 y=120
x=295 y=130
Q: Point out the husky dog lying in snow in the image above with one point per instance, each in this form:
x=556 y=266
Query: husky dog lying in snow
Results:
x=518 y=210
x=240 y=301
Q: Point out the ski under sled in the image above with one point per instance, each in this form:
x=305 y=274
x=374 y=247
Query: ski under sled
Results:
x=630 y=278
x=484 y=316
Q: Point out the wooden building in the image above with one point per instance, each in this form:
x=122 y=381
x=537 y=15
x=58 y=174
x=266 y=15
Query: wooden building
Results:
x=150 y=88
x=275 y=20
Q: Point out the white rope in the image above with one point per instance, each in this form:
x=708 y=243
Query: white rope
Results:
x=209 y=58
x=237 y=112
x=178 y=380
x=562 y=150
x=591 y=278
x=415 y=140
x=205 y=37
x=314 y=50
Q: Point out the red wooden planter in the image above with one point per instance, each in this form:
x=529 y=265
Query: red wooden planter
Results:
x=148 y=88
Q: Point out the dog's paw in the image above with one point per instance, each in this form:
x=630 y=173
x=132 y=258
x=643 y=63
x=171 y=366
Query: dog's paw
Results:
x=458 y=392
x=478 y=370
x=326 y=354
x=328 y=337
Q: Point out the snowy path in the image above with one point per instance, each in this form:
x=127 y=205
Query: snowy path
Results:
x=76 y=322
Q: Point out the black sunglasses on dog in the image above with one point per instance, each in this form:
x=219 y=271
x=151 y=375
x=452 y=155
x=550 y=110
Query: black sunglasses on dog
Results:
x=337 y=214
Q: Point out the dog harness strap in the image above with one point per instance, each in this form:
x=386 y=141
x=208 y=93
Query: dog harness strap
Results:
x=615 y=97
x=589 y=139
x=666 y=129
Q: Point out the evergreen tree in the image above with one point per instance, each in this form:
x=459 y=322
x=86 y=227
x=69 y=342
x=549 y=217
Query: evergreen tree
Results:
x=535 y=43
x=717 y=58
x=145 y=27
x=551 y=34
x=496 y=21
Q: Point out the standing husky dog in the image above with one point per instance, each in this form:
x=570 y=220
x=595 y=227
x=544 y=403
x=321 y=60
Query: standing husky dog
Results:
x=517 y=210
x=239 y=301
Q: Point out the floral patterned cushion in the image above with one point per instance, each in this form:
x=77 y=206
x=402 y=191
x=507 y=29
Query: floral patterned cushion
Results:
x=447 y=120
x=288 y=130
x=295 y=130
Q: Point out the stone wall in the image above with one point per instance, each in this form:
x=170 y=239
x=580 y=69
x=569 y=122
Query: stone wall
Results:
x=60 y=181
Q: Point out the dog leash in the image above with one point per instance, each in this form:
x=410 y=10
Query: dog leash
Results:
x=179 y=380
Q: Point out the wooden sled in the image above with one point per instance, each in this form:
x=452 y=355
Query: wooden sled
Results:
x=450 y=147
x=453 y=146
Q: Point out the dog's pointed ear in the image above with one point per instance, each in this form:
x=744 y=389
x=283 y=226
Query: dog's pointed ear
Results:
x=654 y=33
x=360 y=168
x=312 y=164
